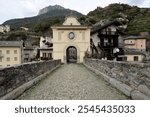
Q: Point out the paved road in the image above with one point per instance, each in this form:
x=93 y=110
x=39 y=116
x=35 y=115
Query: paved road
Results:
x=69 y=82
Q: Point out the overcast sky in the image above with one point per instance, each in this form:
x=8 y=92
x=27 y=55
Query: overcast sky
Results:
x=11 y=9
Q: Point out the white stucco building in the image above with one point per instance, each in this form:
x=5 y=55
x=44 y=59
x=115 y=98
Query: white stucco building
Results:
x=10 y=53
x=70 y=41
x=46 y=49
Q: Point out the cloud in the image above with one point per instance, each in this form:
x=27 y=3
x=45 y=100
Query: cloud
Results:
x=136 y=1
x=140 y=3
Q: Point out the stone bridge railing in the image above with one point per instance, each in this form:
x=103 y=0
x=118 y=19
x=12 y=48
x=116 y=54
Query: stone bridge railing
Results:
x=15 y=80
x=133 y=79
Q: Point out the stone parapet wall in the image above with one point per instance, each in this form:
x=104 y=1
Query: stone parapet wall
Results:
x=133 y=79
x=14 y=77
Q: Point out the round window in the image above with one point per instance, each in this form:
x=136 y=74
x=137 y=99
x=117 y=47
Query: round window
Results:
x=71 y=35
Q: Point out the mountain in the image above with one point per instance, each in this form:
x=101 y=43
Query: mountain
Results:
x=50 y=8
x=138 y=18
x=47 y=16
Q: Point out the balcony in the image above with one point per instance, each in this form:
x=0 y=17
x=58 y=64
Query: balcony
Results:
x=108 y=32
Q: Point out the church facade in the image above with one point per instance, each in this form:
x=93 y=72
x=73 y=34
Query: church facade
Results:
x=70 y=41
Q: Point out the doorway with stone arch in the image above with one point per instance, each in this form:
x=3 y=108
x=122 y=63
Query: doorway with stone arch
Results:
x=71 y=54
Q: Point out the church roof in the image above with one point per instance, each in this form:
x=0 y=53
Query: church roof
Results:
x=71 y=20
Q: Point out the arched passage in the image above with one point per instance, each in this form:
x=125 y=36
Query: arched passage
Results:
x=71 y=54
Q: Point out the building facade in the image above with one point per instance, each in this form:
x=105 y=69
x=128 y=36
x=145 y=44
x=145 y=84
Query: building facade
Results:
x=105 y=39
x=29 y=54
x=135 y=42
x=10 y=53
x=132 y=56
x=71 y=41
x=46 y=48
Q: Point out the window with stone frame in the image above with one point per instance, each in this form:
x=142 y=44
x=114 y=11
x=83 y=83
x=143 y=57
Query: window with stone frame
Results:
x=7 y=51
x=136 y=58
x=15 y=58
x=8 y=58
x=15 y=51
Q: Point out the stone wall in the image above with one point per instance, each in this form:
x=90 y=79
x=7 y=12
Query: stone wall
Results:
x=133 y=79
x=12 y=78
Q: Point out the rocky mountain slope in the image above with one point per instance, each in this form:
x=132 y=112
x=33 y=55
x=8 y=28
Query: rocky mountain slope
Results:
x=50 y=8
x=138 y=18
x=47 y=16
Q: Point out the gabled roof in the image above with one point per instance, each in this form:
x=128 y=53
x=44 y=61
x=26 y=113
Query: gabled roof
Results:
x=101 y=27
x=134 y=37
x=71 y=20
x=11 y=43
x=28 y=48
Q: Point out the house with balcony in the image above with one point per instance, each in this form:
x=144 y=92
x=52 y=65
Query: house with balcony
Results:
x=105 y=39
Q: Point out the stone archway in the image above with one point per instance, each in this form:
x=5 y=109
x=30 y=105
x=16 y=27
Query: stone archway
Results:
x=71 y=54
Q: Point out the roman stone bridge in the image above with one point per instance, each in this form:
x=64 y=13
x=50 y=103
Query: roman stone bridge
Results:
x=95 y=80
x=72 y=81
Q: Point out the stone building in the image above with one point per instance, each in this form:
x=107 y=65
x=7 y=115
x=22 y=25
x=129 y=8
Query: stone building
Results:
x=134 y=49
x=132 y=56
x=10 y=53
x=135 y=42
x=70 y=41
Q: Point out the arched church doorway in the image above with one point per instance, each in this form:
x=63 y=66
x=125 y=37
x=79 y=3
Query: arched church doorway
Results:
x=71 y=54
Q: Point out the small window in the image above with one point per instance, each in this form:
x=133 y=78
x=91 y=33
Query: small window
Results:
x=15 y=58
x=8 y=65
x=136 y=58
x=15 y=51
x=131 y=41
x=50 y=55
x=0 y=59
x=109 y=31
x=44 y=55
x=8 y=58
x=7 y=51
x=141 y=45
x=125 y=58
x=0 y=52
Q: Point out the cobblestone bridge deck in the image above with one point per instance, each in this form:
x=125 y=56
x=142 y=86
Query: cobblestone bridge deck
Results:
x=69 y=82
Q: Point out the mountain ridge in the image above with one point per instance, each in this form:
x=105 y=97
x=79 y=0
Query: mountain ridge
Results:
x=139 y=18
x=50 y=7
x=46 y=15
